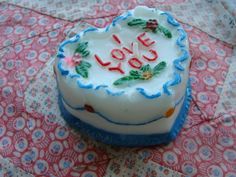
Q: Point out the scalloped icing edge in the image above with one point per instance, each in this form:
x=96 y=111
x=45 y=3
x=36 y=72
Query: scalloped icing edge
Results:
x=177 y=62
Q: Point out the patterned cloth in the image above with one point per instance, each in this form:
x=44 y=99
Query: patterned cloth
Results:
x=35 y=139
x=137 y=164
x=230 y=5
x=21 y=24
x=76 y=9
x=9 y=169
x=227 y=102
x=220 y=22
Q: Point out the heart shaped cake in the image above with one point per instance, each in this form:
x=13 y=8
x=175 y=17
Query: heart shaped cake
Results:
x=128 y=83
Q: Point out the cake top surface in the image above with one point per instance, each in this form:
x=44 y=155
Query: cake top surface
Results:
x=142 y=51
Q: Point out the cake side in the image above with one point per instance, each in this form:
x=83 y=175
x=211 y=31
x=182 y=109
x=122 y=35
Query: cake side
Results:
x=125 y=139
x=148 y=86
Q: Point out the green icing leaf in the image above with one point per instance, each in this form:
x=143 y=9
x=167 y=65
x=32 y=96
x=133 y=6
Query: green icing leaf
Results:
x=165 y=31
x=85 y=53
x=137 y=22
x=145 y=73
x=159 y=67
x=135 y=74
x=123 y=80
x=82 y=68
x=85 y=64
x=155 y=30
x=149 y=25
x=83 y=71
x=146 y=68
x=81 y=47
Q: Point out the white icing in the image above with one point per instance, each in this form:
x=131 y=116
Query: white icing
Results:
x=166 y=48
x=130 y=107
x=160 y=126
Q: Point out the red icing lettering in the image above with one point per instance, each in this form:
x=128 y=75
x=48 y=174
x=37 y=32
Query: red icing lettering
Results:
x=154 y=53
x=117 y=68
x=101 y=62
x=118 y=54
x=135 y=63
x=129 y=50
x=145 y=41
x=116 y=38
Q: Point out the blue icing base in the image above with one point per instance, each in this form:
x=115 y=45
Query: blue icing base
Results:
x=129 y=140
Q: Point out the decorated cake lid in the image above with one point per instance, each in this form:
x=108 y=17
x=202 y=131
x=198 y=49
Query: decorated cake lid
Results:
x=142 y=51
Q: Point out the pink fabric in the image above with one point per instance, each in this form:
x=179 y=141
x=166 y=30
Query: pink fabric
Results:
x=76 y=9
x=39 y=145
x=18 y=24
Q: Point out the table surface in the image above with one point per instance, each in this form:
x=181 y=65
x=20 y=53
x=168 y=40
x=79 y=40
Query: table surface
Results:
x=35 y=140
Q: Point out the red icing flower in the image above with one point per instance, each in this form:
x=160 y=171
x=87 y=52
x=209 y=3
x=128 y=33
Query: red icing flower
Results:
x=152 y=24
x=89 y=108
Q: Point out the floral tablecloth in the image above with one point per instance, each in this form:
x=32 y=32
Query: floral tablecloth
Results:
x=34 y=139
